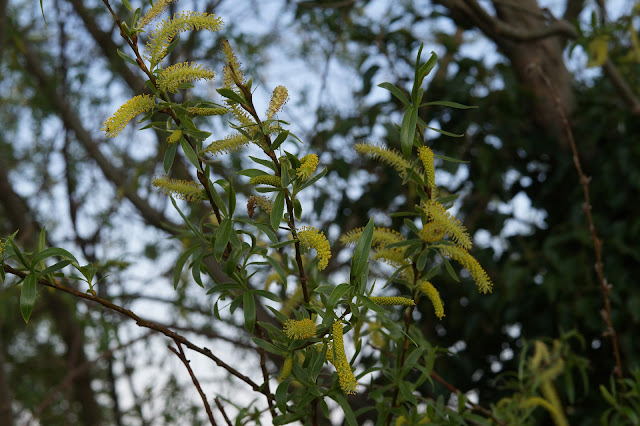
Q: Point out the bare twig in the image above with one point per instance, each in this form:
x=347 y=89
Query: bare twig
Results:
x=185 y=361
x=224 y=413
x=146 y=324
x=597 y=242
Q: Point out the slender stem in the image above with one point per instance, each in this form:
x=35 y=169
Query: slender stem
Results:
x=597 y=242
x=224 y=413
x=146 y=324
x=185 y=361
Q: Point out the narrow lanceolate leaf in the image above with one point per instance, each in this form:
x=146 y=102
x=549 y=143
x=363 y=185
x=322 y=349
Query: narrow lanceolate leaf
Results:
x=28 y=296
x=277 y=210
x=222 y=238
x=249 y=306
x=190 y=153
x=449 y=104
x=395 y=92
x=363 y=248
x=408 y=130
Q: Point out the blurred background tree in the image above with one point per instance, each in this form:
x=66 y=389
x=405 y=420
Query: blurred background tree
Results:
x=76 y=364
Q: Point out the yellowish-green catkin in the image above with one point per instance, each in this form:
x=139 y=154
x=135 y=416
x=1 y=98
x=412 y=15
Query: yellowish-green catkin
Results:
x=174 y=136
x=208 y=111
x=460 y=255
x=341 y=363
x=286 y=369
x=230 y=143
x=381 y=237
x=311 y=237
x=426 y=156
x=298 y=330
x=279 y=97
x=260 y=201
x=308 y=165
x=118 y=121
x=265 y=180
x=3 y=242
x=392 y=301
x=154 y=12
x=184 y=189
x=432 y=232
x=184 y=72
x=434 y=296
x=166 y=30
x=233 y=66
x=386 y=155
x=442 y=218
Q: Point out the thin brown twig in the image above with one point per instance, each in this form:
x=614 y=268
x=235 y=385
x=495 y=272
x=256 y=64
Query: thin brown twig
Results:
x=180 y=354
x=597 y=242
x=224 y=413
x=146 y=324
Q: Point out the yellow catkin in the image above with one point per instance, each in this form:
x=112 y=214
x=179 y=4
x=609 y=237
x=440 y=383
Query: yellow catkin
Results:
x=392 y=300
x=174 y=136
x=180 y=73
x=166 y=31
x=460 y=255
x=426 y=156
x=381 y=237
x=208 y=111
x=341 y=363
x=386 y=155
x=308 y=165
x=442 y=218
x=258 y=200
x=230 y=143
x=118 y=121
x=286 y=369
x=279 y=97
x=311 y=237
x=432 y=232
x=302 y=329
x=154 y=12
x=184 y=189
x=265 y=180
x=432 y=293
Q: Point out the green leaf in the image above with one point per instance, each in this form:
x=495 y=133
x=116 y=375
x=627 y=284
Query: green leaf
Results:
x=281 y=395
x=346 y=408
x=337 y=294
x=444 y=132
x=177 y=270
x=42 y=10
x=126 y=57
x=269 y=347
x=53 y=251
x=169 y=156
x=426 y=68
x=267 y=294
x=277 y=210
x=222 y=238
x=265 y=163
x=279 y=140
x=449 y=104
x=127 y=5
x=56 y=267
x=450 y=270
x=249 y=306
x=231 y=95
x=190 y=153
x=217 y=199
x=450 y=159
x=311 y=181
x=395 y=92
x=412 y=226
x=363 y=248
x=252 y=172
x=278 y=269
x=408 y=130
x=28 y=296
x=18 y=253
x=297 y=209
x=282 y=244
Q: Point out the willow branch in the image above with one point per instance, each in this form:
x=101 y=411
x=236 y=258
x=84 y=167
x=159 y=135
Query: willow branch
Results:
x=146 y=324
x=597 y=242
